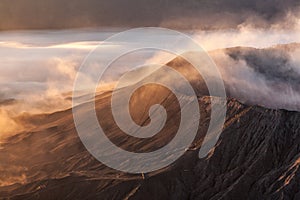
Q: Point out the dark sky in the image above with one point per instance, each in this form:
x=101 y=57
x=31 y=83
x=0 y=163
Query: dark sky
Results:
x=47 y=14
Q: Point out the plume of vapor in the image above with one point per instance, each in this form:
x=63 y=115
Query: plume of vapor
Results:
x=37 y=72
x=267 y=77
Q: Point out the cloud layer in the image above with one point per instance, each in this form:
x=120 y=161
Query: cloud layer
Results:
x=38 y=68
x=213 y=14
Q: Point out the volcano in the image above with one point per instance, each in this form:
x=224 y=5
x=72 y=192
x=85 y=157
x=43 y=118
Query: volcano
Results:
x=256 y=157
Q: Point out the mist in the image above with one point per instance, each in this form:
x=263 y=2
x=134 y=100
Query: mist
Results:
x=267 y=77
x=38 y=68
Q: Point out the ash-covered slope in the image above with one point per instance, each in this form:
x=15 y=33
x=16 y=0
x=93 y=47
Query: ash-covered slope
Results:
x=257 y=157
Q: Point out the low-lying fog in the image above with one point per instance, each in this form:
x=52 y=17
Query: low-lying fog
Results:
x=38 y=67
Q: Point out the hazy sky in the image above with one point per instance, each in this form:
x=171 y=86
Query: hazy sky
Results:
x=205 y=14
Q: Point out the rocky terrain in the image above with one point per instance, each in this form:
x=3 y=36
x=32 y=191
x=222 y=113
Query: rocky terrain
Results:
x=257 y=157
